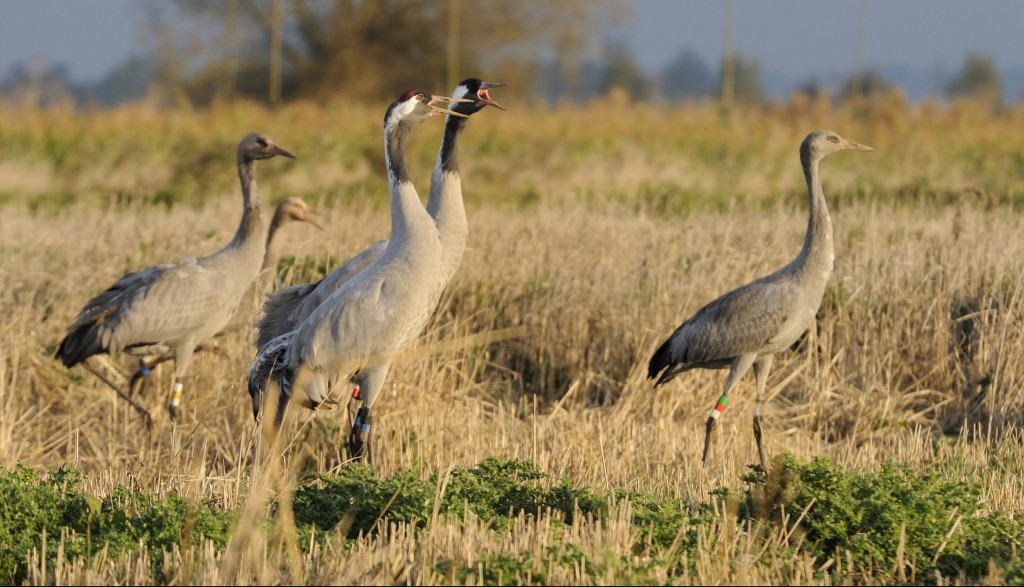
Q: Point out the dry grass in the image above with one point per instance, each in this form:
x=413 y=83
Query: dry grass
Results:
x=595 y=231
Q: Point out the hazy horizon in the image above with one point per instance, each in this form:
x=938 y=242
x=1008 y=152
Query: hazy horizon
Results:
x=794 y=41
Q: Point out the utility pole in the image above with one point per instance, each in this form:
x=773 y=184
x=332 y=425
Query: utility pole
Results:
x=729 y=61
x=276 y=24
x=454 y=27
x=231 y=39
x=858 y=59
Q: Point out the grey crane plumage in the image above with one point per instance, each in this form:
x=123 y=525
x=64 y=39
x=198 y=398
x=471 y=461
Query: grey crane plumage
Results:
x=291 y=209
x=176 y=307
x=353 y=334
x=745 y=327
x=285 y=309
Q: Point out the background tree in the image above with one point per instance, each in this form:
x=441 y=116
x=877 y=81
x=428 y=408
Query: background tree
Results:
x=622 y=71
x=747 y=87
x=977 y=78
x=373 y=48
x=865 y=85
x=39 y=83
x=686 y=77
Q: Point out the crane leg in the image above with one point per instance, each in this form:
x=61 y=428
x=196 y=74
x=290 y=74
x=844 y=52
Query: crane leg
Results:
x=761 y=368
x=149 y=362
x=715 y=412
x=359 y=438
x=757 y=436
x=172 y=406
x=138 y=408
x=146 y=365
x=707 y=438
x=353 y=401
x=369 y=384
x=737 y=370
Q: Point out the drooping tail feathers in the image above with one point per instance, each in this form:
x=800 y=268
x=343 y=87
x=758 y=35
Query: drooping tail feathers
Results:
x=81 y=342
x=661 y=363
x=92 y=330
x=275 y=314
x=270 y=364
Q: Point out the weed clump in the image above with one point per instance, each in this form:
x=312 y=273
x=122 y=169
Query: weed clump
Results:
x=32 y=506
x=495 y=491
x=894 y=525
x=893 y=522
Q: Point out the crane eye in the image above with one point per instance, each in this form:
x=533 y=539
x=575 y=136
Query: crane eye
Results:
x=832 y=138
x=261 y=142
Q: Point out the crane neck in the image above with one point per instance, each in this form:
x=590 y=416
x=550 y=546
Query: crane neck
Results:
x=445 y=204
x=251 y=228
x=409 y=219
x=279 y=219
x=817 y=252
x=395 y=135
x=447 y=159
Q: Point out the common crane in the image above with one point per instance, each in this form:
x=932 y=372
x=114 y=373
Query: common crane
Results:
x=353 y=334
x=745 y=327
x=175 y=307
x=288 y=307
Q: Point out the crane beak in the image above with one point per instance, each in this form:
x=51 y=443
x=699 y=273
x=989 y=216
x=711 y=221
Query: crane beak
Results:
x=436 y=110
x=308 y=217
x=855 y=146
x=275 y=150
x=484 y=98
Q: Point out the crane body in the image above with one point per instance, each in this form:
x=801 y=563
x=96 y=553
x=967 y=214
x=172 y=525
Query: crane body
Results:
x=744 y=328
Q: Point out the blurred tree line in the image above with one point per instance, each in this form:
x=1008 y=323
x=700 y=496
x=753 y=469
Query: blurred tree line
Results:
x=311 y=49
x=279 y=50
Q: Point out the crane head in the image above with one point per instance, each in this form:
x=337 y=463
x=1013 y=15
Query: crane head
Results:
x=415 y=106
x=259 y=146
x=295 y=208
x=477 y=91
x=822 y=142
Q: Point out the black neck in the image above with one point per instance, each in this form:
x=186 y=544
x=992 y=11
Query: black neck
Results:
x=452 y=127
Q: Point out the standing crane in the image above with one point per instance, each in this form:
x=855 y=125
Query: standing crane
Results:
x=285 y=309
x=745 y=327
x=353 y=334
x=175 y=307
x=291 y=209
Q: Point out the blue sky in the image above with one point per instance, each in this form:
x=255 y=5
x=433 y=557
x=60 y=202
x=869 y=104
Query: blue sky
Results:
x=796 y=39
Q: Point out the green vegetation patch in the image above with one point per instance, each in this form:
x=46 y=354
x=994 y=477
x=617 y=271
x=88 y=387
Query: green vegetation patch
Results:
x=924 y=523
x=31 y=505
x=494 y=491
x=894 y=525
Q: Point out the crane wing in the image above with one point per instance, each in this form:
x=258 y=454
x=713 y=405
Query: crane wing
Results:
x=343 y=326
x=164 y=305
x=286 y=309
x=744 y=320
x=153 y=305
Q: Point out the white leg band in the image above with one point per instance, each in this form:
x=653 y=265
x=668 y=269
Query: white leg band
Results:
x=176 y=393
